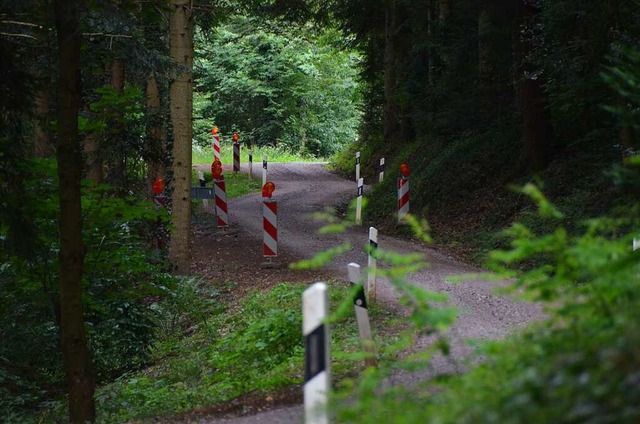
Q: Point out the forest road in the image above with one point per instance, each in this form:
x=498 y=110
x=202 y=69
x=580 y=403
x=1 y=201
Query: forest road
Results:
x=303 y=189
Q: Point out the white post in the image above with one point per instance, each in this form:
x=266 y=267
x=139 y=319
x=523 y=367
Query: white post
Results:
x=357 y=166
x=317 y=380
x=250 y=164
x=636 y=244
x=362 y=314
x=264 y=169
x=372 y=264
x=359 y=201
x=205 y=202
x=381 y=174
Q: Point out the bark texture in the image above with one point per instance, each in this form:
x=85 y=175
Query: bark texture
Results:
x=181 y=96
x=75 y=352
x=155 y=135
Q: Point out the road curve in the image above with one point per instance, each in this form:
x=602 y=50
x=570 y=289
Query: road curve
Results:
x=303 y=189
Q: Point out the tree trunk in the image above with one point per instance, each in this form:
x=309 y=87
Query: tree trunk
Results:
x=117 y=165
x=390 y=83
x=536 y=123
x=92 y=158
x=75 y=352
x=155 y=134
x=42 y=147
x=181 y=95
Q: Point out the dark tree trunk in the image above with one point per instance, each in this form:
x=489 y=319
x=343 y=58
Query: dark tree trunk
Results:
x=117 y=165
x=536 y=123
x=75 y=352
x=390 y=101
x=42 y=147
x=155 y=134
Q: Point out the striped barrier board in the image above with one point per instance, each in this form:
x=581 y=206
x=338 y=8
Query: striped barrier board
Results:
x=220 y=194
x=403 y=198
x=317 y=370
x=270 y=228
x=216 y=146
x=236 y=157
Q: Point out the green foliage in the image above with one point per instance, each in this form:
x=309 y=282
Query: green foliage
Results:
x=288 y=87
x=256 y=346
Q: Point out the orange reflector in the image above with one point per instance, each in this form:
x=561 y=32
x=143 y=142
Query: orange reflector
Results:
x=214 y=130
x=216 y=169
x=158 y=186
x=235 y=137
x=404 y=170
x=268 y=188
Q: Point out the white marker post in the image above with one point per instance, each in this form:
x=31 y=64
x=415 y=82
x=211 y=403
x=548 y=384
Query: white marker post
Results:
x=250 y=164
x=636 y=244
x=357 y=166
x=264 y=170
x=381 y=170
x=205 y=202
x=372 y=264
x=359 y=201
x=317 y=375
x=362 y=314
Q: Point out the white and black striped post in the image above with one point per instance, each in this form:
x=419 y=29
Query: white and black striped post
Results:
x=381 y=170
x=359 y=201
x=264 y=169
x=357 y=166
x=372 y=264
x=250 y=164
x=362 y=313
x=317 y=374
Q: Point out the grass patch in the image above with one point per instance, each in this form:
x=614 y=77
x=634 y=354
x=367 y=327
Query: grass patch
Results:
x=236 y=184
x=204 y=155
x=256 y=347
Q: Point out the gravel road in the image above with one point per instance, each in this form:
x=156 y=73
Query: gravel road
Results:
x=301 y=190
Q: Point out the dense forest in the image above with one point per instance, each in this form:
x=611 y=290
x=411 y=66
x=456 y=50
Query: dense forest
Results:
x=491 y=104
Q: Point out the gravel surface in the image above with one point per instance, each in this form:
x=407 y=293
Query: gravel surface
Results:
x=303 y=189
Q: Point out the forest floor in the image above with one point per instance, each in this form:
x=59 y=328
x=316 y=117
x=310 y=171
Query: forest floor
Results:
x=235 y=255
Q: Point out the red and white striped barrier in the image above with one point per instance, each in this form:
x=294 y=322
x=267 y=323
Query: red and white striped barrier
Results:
x=220 y=195
x=372 y=264
x=317 y=369
x=403 y=191
x=236 y=157
x=216 y=143
x=269 y=221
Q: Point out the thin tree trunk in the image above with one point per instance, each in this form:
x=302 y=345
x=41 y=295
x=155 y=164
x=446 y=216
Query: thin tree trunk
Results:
x=536 y=124
x=42 y=148
x=155 y=134
x=92 y=158
x=75 y=352
x=117 y=164
x=181 y=95
x=390 y=83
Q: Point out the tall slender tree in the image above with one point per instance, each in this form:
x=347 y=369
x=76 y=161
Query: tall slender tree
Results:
x=181 y=111
x=76 y=358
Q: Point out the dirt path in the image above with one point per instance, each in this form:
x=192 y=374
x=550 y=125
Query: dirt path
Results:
x=303 y=189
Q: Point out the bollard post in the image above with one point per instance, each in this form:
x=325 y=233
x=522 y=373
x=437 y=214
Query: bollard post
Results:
x=250 y=164
x=403 y=191
x=216 y=143
x=357 y=166
x=220 y=195
x=317 y=375
x=636 y=243
x=372 y=264
x=362 y=314
x=359 y=201
x=381 y=171
x=264 y=169
x=269 y=222
x=236 y=153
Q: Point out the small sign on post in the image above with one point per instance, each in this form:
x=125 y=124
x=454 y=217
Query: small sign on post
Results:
x=317 y=370
x=359 y=201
